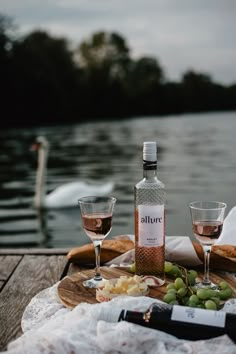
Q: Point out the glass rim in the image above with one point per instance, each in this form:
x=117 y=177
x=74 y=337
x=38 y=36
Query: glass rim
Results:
x=93 y=198
x=221 y=205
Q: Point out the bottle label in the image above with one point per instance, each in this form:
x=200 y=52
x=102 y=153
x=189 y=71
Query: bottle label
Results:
x=199 y=316
x=151 y=225
x=114 y=314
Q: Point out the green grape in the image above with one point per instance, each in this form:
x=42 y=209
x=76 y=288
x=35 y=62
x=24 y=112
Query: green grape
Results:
x=175 y=271
x=179 y=283
x=191 y=279
x=132 y=268
x=170 y=286
x=225 y=294
x=182 y=292
x=168 y=266
x=216 y=300
x=211 y=293
x=193 y=273
x=169 y=297
x=202 y=294
x=229 y=291
x=194 y=299
x=210 y=305
x=223 y=285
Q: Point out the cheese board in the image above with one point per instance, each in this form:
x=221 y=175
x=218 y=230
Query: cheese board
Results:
x=71 y=291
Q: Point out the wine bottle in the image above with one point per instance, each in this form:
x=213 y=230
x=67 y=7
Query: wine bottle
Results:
x=182 y=322
x=150 y=217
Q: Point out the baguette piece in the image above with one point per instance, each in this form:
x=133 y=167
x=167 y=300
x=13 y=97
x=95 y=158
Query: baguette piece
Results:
x=227 y=251
x=223 y=257
x=110 y=249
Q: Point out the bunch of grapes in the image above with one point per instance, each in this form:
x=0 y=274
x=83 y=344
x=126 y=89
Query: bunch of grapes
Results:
x=183 y=291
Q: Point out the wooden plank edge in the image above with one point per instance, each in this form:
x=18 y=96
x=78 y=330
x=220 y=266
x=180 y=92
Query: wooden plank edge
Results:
x=34 y=251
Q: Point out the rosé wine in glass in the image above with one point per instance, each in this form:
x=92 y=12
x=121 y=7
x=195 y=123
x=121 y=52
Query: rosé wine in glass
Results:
x=96 y=213
x=207 y=223
x=207 y=231
x=97 y=226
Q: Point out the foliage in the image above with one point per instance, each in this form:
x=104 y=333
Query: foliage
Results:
x=45 y=80
x=6 y=36
x=45 y=76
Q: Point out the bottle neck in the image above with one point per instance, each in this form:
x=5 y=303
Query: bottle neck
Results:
x=149 y=169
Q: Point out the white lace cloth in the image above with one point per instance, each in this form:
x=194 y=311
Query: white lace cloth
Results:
x=50 y=328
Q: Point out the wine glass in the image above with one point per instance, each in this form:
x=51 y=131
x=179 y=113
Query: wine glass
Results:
x=207 y=224
x=96 y=215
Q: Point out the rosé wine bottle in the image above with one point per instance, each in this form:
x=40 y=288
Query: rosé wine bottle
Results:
x=150 y=218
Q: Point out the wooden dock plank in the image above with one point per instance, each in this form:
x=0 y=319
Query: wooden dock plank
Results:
x=73 y=268
x=23 y=251
x=33 y=274
x=7 y=266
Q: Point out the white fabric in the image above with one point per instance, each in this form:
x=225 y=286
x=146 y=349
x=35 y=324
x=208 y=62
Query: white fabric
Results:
x=228 y=235
x=52 y=329
x=178 y=249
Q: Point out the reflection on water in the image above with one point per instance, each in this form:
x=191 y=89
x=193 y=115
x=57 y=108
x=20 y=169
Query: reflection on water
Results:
x=196 y=160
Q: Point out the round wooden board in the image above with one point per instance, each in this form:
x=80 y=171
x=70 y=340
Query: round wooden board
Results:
x=71 y=291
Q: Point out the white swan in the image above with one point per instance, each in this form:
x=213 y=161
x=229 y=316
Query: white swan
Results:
x=66 y=195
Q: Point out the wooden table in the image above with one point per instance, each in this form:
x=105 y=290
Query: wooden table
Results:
x=23 y=274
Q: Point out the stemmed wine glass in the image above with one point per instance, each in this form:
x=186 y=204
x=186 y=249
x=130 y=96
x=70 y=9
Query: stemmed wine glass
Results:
x=207 y=224
x=96 y=215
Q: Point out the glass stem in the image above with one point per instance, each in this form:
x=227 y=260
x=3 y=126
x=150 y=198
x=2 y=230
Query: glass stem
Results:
x=97 y=247
x=207 y=252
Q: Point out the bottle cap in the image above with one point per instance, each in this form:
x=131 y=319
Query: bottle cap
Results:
x=149 y=151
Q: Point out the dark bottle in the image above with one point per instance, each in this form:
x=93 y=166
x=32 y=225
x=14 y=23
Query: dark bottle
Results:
x=185 y=322
x=182 y=322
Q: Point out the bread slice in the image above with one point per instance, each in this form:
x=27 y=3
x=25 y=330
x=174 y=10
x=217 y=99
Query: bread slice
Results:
x=110 y=250
x=227 y=251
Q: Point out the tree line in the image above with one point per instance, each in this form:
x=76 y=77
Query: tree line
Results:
x=44 y=80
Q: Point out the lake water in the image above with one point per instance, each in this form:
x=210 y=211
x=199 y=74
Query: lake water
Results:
x=196 y=160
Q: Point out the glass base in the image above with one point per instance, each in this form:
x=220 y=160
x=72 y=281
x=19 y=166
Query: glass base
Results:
x=92 y=283
x=202 y=285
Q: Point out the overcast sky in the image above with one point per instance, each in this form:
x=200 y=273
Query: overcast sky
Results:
x=181 y=34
